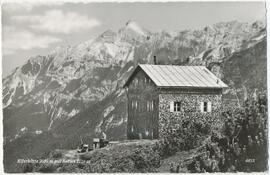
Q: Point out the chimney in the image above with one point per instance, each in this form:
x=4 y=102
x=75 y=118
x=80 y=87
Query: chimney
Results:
x=155 y=60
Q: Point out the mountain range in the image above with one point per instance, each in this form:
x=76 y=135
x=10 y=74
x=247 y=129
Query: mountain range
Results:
x=76 y=92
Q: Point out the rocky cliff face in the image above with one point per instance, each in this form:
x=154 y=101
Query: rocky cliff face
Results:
x=77 y=90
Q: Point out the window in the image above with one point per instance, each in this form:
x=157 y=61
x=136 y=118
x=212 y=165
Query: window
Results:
x=150 y=105
x=136 y=82
x=175 y=106
x=206 y=106
x=134 y=104
x=147 y=80
x=146 y=132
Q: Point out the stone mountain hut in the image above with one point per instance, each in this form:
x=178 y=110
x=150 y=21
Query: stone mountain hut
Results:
x=157 y=94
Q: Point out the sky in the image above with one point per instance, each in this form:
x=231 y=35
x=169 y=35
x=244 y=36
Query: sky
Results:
x=30 y=29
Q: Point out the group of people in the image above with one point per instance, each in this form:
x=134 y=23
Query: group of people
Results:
x=242 y=145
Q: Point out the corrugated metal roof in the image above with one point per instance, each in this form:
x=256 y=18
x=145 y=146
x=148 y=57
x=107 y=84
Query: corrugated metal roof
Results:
x=182 y=76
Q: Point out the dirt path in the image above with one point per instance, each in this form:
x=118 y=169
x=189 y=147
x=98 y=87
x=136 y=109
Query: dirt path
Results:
x=71 y=154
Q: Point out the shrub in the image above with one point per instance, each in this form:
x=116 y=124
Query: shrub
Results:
x=56 y=154
x=242 y=143
x=190 y=134
x=27 y=168
x=146 y=159
x=135 y=158
x=46 y=168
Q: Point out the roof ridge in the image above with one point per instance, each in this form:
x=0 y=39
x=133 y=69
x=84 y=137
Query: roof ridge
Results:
x=181 y=76
x=167 y=65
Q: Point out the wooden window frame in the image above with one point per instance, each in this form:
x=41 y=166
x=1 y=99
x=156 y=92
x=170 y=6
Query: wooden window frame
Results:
x=206 y=107
x=136 y=82
x=177 y=106
x=145 y=81
x=134 y=104
x=150 y=105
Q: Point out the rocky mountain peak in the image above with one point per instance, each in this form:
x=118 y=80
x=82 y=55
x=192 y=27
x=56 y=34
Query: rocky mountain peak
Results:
x=134 y=26
x=73 y=78
x=108 y=36
x=133 y=33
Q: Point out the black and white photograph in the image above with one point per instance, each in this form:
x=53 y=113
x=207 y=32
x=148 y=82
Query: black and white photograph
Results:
x=134 y=87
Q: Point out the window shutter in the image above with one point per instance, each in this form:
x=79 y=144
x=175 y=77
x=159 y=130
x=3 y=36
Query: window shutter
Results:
x=171 y=106
x=136 y=105
x=201 y=106
x=209 y=107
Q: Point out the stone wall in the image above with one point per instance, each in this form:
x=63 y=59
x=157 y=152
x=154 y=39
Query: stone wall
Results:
x=190 y=109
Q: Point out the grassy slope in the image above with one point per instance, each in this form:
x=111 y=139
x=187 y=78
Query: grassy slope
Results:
x=126 y=156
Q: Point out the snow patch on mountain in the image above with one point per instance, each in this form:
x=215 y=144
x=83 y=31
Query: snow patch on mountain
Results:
x=37 y=132
x=129 y=69
x=108 y=110
x=73 y=113
x=24 y=129
x=135 y=27
x=72 y=78
x=120 y=93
